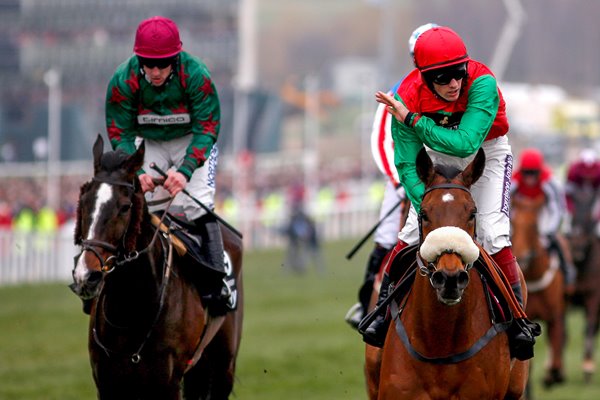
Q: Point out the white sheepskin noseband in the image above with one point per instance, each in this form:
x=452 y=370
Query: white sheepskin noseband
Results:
x=449 y=238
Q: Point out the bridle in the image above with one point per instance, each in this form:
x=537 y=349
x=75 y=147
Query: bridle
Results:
x=427 y=269
x=118 y=256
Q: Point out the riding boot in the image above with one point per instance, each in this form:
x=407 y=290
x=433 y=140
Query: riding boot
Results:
x=375 y=333
x=220 y=299
x=522 y=332
x=566 y=265
x=358 y=311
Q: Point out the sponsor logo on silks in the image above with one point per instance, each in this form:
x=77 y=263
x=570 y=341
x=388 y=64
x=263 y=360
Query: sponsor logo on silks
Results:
x=212 y=166
x=508 y=166
x=173 y=119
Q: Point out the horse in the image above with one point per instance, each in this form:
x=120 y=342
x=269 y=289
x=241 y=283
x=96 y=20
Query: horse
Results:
x=585 y=248
x=149 y=334
x=442 y=347
x=545 y=283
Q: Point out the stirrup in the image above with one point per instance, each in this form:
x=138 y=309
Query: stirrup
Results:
x=354 y=315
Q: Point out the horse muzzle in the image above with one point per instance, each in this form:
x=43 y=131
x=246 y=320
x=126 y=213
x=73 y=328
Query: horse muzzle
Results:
x=86 y=282
x=449 y=286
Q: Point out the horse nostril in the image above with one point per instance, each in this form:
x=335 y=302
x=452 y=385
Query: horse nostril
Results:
x=438 y=279
x=95 y=277
x=462 y=280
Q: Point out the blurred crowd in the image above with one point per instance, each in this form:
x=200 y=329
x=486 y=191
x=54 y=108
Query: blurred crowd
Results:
x=24 y=205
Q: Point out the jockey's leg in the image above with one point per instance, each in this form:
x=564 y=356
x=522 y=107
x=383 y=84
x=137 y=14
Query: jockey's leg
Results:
x=522 y=332
x=212 y=246
x=557 y=242
x=375 y=333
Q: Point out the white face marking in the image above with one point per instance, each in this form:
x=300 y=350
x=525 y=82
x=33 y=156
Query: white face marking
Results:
x=447 y=198
x=103 y=195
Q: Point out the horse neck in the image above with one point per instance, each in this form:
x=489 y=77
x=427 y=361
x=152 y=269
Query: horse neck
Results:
x=446 y=327
x=135 y=286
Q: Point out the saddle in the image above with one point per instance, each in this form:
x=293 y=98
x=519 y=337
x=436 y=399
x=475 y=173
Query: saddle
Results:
x=183 y=236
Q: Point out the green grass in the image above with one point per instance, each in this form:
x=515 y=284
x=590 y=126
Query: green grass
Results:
x=295 y=343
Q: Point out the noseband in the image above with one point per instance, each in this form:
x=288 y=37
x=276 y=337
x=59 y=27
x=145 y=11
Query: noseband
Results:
x=429 y=268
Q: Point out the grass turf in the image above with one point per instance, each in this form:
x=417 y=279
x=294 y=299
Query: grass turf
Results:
x=295 y=344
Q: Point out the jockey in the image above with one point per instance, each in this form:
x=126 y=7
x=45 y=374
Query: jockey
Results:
x=166 y=96
x=532 y=179
x=386 y=234
x=583 y=172
x=451 y=104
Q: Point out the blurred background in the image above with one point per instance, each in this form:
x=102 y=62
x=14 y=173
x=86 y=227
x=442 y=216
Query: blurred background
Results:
x=296 y=80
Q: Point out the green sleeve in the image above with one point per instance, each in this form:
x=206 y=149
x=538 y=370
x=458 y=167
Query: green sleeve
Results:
x=121 y=112
x=475 y=124
x=205 y=115
x=406 y=147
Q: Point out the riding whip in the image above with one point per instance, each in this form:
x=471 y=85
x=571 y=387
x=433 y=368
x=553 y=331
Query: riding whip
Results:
x=195 y=200
x=364 y=239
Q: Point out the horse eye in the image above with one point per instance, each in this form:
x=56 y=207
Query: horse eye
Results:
x=125 y=208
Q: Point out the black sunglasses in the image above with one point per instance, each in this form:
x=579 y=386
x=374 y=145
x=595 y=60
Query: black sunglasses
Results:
x=530 y=172
x=444 y=77
x=161 y=63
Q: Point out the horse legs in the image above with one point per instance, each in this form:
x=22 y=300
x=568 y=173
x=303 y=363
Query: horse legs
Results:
x=212 y=377
x=592 y=307
x=556 y=336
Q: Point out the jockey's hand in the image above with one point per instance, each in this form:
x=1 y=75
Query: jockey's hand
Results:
x=175 y=182
x=394 y=107
x=400 y=191
x=147 y=182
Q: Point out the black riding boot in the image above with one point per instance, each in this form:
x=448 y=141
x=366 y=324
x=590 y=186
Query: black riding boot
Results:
x=220 y=300
x=358 y=310
x=566 y=266
x=375 y=333
x=522 y=332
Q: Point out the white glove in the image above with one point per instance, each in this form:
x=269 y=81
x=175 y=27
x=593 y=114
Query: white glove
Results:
x=400 y=191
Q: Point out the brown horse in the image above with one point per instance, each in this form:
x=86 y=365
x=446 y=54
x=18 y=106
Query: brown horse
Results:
x=442 y=347
x=149 y=330
x=585 y=247
x=545 y=283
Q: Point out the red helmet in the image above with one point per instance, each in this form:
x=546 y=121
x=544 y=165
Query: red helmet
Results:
x=439 y=47
x=157 y=37
x=532 y=159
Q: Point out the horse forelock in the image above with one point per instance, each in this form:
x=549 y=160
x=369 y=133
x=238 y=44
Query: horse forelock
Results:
x=447 y=171
x=113 y=160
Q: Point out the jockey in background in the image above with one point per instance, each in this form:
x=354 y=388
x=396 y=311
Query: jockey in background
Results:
x=386 y=235
x=583 y=173
x=532 y=179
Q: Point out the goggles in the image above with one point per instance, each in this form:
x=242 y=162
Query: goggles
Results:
x=530 y=172
x=160 y=63
x=446 y=75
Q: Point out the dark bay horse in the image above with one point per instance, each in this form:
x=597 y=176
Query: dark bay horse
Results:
x=545 y=283
x=436 y=350
x=149 y=334
x=585 y=247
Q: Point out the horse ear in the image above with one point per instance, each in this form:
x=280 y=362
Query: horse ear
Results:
x=424 y=166
x=474 y=170
x=97 y=151
x=136 y=160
